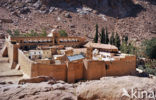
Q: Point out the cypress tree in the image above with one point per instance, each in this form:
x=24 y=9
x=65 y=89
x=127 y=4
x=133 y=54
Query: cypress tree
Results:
x=117 y=41
x=126 y=39
x=103 y=35
x=107 y=38
x=96 y=34
x=112 y=39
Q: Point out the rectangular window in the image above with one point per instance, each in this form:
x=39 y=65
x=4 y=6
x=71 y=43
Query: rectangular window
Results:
x=107 y=66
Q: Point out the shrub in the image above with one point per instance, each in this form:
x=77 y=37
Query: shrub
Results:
x=44 y=33
x=16 y=33
x=150 y=48
x=128 y=48
x=150 y=70
x=9 y=32
x=33 y=33
x=149 y=66
x=63 y=33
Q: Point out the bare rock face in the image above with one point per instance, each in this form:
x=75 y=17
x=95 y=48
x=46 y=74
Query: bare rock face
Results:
x=37 y=91
x=114 y=8
x=109 y=88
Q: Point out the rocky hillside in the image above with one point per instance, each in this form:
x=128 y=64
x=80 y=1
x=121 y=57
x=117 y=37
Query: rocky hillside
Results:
x=107 y=88
x=135 y=18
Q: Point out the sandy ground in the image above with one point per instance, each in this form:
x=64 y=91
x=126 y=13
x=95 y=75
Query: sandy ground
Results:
x=6 y=74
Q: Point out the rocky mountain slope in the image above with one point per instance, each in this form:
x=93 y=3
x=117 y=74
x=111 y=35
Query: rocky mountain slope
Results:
x=135 y=18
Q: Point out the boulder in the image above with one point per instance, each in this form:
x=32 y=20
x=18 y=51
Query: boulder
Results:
x=2 y=83
x=6 y=20
x=51 y=9
x=35 y=80
x=37 y=5
x=30 y=1
x=25 y=10
x=67 y=15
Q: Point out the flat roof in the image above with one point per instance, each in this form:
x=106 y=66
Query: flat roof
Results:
x=75 y=57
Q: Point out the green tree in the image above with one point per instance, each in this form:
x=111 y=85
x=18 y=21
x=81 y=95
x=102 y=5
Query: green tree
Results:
x=33 y=33
x=107 y=37
x=112 y=39
x=128 y=48
x=124 y=47
x=131 y=49
x=44 y=33
x=117 y=41
x=63 y=33
x=16 y=33
x=96 y=34
x=9 y=32
x=126 y=38
x=150 y=48
x=103 y=37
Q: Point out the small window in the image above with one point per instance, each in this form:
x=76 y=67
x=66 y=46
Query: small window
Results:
x=107 y=66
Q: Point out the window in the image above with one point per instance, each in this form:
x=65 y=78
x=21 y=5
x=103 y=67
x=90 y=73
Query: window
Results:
x=107 y=66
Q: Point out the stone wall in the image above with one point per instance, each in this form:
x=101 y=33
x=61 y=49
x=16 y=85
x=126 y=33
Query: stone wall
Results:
x=25 y=64
x=75 y=71
x=94 y=69
x=57 y=71
x=97 y=69
x=33 y=69
x=71 y=41
x=12 y=54
x=124 y=66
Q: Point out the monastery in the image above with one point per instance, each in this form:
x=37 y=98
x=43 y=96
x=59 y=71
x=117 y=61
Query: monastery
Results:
x=66 y=58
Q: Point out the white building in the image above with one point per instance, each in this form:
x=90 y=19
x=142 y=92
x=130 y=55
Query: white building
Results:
x=35 y=54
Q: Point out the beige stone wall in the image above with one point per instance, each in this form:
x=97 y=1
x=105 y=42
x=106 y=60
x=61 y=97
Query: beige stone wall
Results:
x=69 y=52
x=12 y=54
x=33 y=69
x=124 y=66
x=79 y=41
x=75 y=71
x=22 y=39
x=94 y=69
x=4 y=51
x=46 y=54
x=43 y=61
x=25 y=63
x=57 y=71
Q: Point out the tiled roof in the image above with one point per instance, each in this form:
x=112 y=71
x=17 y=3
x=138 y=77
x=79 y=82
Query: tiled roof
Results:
x=101 y=46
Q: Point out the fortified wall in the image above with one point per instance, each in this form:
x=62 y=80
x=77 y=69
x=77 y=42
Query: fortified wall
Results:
x=70 y=71
x=96 y=69
x=84 y=69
